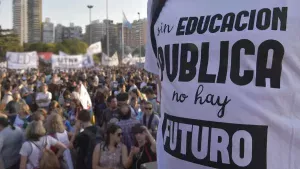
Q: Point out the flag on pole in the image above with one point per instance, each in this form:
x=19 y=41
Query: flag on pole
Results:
x=95 y=48
x=126 y=23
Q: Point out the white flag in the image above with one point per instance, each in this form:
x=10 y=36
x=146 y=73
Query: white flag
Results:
x=95 y=48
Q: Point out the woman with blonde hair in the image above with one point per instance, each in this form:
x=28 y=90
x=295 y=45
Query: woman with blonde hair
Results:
x=23 y=117
x=53 y=106
x=37 y=139
x=57 y=130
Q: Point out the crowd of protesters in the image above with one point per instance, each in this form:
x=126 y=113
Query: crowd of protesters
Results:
x=43 y=124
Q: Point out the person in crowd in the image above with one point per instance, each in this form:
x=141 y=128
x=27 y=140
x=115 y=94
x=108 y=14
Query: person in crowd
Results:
x=37 y=140
x=111 y=114
x=145 y=147
x=14 y=107
x=144 y=82
x=114 y=84
x=11 y=139
x=132 y=85
x=57 y=130
x=43 y=98
x=23 y=117
x=151 y=97
x=111 y=154
x=150 y=119
x=123 y=99
x=138 y=108
x=86 y=140
x=7 y=94
x=99 y=106
x=39 y=115
x=28 y=94
x=121 y=89
x=126 y=123
x=54 y=105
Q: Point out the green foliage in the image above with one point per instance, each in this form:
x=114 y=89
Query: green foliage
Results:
x=9 y=42
x=70 y=46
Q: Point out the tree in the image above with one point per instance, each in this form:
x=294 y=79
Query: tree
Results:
x=75 y=46
x=9 y=43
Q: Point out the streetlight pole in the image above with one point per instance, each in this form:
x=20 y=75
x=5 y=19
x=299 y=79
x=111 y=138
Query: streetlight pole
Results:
x=107 y=28
x=140 y=35
x=90 y=26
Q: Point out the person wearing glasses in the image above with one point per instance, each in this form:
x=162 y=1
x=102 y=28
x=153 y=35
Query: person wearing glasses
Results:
x=111 y=154
x=150 y=119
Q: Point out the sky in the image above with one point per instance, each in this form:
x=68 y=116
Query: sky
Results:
x=76 y=11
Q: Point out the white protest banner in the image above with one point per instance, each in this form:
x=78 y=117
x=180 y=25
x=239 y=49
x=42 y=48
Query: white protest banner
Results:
x=25 y=60
x=3 y=65
x=85 y=98
x=62 y=53
x=110 y=61
x=66 y=62
x=94 y=48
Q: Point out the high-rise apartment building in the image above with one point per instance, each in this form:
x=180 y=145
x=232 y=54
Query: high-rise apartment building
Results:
x=48 y=31
x=139 y=32
x=95 y=31
x=34 y=21
x=72 y=32
x=128 y=40
x=20 y=21
x=59 y=31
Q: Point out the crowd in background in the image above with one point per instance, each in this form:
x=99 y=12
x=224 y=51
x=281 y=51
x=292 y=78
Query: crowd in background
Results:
x=44 y=125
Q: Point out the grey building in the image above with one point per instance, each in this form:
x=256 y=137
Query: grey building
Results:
x=72 y=32
x=95 y=32
x=20 y=20
x=48 y=31
x=59 y=30
x=34 y=21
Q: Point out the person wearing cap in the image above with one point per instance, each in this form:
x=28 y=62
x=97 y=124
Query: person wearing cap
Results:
x=43 y=98
x=144 y=150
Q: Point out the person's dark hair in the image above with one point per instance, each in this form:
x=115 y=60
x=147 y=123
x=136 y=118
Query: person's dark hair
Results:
x=7 y=86
x=84 y=116
x=110 y=98
x=122 y=97
x=121 y=86
x=4 y=122
x=111 y=129
x=149 y=90
x=127 y=115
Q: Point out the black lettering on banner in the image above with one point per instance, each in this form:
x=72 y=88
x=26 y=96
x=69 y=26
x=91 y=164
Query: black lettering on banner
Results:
x=203 y=76
x=252 y=20
x=263 y=19
x=238 y=25
x=249 y=48
x=274 y=73
x=228 y=22
x=191 y=25
x=215 y=144
x=175 y=51
x=160 y=58
x=280 y=15
x=180 y=27
x=213 y=28
x=203 y=24
x=188 y=68
x=223 y=62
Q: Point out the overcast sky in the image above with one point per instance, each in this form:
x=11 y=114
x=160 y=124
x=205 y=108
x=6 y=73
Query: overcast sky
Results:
x=76 y=11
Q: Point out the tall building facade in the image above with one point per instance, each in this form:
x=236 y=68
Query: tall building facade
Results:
x=34 y=21
x=48 y=31
x=128 y=39
x=139 y=32
x=59 y=31
x=95 y=32
x=20 y=20
x=72 y=32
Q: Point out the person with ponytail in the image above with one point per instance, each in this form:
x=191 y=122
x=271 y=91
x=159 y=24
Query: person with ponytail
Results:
x=11 y=139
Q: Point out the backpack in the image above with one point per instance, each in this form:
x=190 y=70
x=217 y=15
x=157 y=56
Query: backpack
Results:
x=157 y=6
x=94 y=139
x=48 y=159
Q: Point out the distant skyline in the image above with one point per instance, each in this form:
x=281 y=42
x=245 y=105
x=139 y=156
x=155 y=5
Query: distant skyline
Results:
x=75 y=11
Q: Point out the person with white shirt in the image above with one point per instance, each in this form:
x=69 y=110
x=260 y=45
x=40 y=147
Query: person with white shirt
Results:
x=8 y=95
x=132 y=85
x=43 y=98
